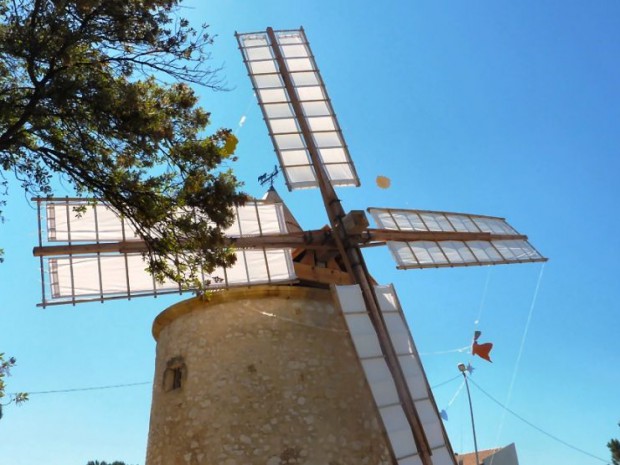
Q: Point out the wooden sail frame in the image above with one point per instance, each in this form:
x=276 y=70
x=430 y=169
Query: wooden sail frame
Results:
x=296 y=108
x=106 y=261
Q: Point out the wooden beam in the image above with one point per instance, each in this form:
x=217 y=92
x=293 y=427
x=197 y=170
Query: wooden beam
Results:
x=314 y=239
x=85 y=249
x=383 y=235
x=322 y=275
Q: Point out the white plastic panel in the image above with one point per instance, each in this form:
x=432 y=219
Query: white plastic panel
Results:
x=422 y=220
x=412 y=460
x=107 y=276
x=307 y=88
x=398 y=430
x=115 y=275
x=442 y=456
x=428 y=254
x=381 y=381
x=351 y=299
x=431 y=422
x=99 y=223
x=364 y=335
x=416 y=379
x=434 y=254
x=96 y=222
x=411 y=367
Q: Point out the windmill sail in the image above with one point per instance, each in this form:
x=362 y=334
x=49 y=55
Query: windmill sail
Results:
x=82 y=220
x=503 y=245
x=381 y=381
x=86 y=276
x=296 y=107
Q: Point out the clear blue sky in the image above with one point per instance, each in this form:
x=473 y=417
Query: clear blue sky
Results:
x=499 y=108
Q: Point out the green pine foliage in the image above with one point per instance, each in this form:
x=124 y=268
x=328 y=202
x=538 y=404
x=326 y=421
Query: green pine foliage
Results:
x=98 y=93
x=6 y=365
x=614 y=448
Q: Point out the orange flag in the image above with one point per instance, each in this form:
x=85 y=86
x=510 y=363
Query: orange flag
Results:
x=481 y=350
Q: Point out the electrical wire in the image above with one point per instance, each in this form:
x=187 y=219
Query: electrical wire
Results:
x=445 y=382
x=481 y=306
x=456 y=394
x=298 y=323
x=451 y=351
x=532 y=425
x=518 y=361
x=512 y=412
x=115 y=386
x=484 y=297
x=93 y=388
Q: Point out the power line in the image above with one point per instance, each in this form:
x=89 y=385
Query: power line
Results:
x=484 y=297
x=522 y=345
x=529 y=423
x=93 y=388
x=555 y=438
x=445 y=382
x=451 y=351
x=115 y=386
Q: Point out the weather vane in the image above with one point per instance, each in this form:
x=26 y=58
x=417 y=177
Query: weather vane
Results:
x=268 y=177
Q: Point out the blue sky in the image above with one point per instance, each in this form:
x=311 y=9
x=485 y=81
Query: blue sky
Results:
x=498 y=108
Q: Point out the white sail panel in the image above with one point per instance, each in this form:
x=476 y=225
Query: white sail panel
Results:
x=366 y=342
x=430 y=254
x=106 y=276
x=86 y=221
x=81 y=220
x=307 y=89
x=431 y=421
x=448 y=253
x=423 y=220
x=375 y=368
x=413 y=460
x=381 y=381
x=101 y=275
x=442 y=456
x=398 y=430
x=411 y=366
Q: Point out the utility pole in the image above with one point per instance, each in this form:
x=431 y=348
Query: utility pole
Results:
x=463 y=370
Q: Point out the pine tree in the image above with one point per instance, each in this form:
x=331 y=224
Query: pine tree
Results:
x=614 y=448
x=6 y=365
x=98 y=93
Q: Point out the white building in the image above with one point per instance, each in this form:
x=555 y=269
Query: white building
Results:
x=500 y=456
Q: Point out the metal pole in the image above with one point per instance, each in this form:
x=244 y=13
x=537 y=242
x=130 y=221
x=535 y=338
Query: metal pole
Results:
x=463 y=369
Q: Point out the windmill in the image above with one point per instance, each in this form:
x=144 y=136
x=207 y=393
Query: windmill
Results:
x=96 y=256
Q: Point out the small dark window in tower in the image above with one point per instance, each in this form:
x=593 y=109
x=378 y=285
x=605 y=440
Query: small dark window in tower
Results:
x=177 y=375
x=174 y=374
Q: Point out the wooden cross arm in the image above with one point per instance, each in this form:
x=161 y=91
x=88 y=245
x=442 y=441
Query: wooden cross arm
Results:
x=314 y=239
x=317 y=239
x=384 y=235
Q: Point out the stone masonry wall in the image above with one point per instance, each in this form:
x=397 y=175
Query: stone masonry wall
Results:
x=268 y=376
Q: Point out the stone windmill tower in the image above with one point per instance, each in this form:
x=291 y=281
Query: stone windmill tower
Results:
x=300 y=357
